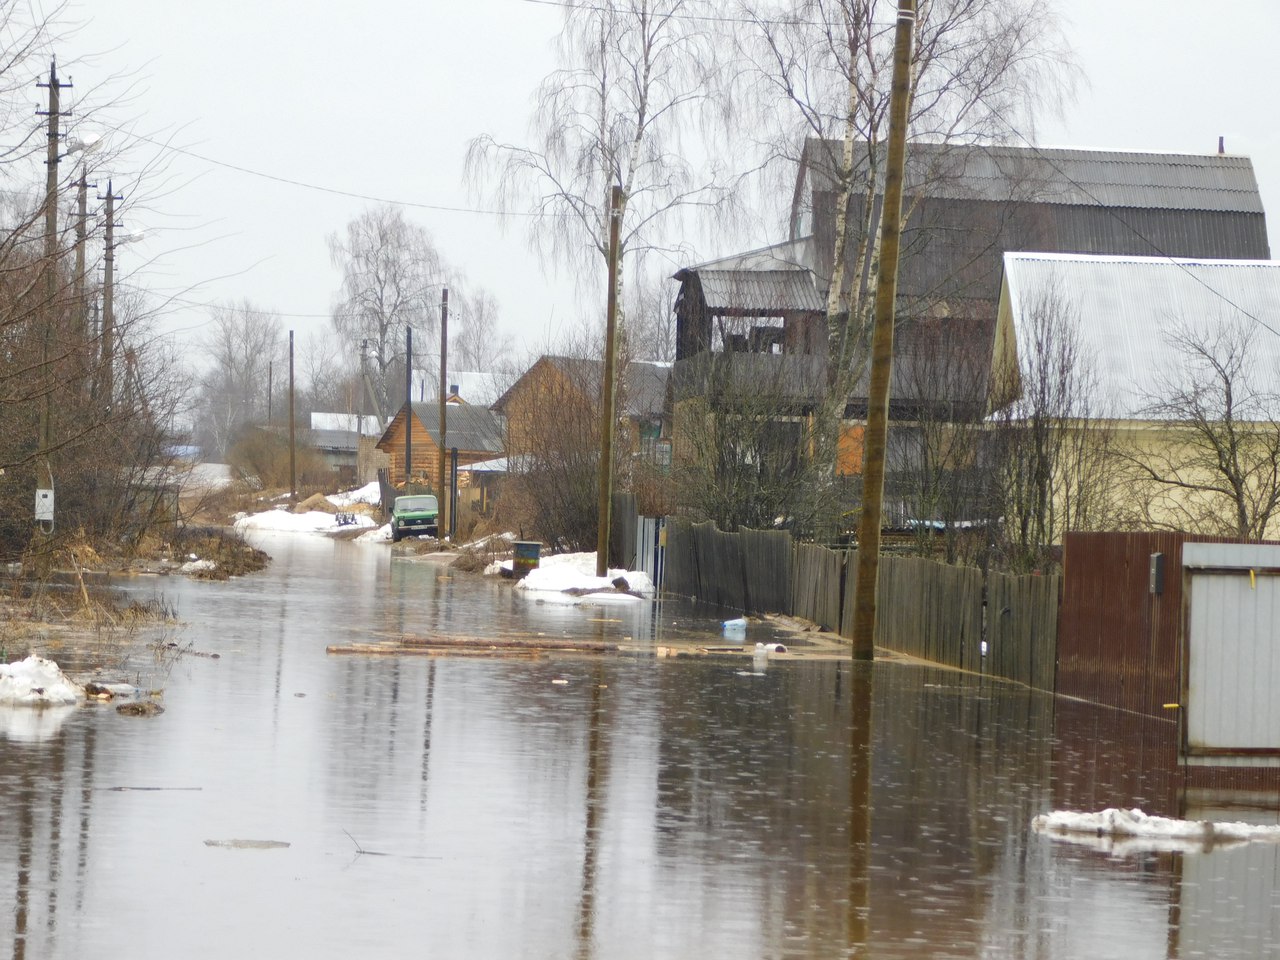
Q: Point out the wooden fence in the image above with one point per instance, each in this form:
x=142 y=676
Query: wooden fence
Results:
x=926 y=609
x=749 y=571
x=1022 y=628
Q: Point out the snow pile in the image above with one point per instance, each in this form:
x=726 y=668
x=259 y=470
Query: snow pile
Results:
x=1132 y=831
x=556 y=575
x=197 y=566
x=380 y=534
x=495 y=541
x=36 y=682
x=314 y=521
x=369 y=493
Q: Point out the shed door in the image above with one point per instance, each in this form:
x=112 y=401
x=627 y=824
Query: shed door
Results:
x=1233 y=689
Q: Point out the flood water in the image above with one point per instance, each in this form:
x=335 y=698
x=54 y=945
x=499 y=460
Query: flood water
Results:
x=482 y=808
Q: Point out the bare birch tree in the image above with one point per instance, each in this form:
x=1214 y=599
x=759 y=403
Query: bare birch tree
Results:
x=1049 y=456
x=637 y=77
x=391 y=279
x=1211 y=461
x=477 y=341
x=242 y=343
x=819 y=71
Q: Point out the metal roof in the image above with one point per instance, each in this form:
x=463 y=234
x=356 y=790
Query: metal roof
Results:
x=341 y=441
x=760 y=291
x=466 y=427
x=1070 y=176
x=644 y=382
x=1126 y=310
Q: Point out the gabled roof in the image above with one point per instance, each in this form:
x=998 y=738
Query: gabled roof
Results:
x=1062 y=175
x=338 y=441
x=474 y=429
x=644 y=382
x=1126 y=308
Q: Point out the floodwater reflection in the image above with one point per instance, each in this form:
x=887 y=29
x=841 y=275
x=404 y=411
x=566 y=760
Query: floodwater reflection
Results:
x=595 y=808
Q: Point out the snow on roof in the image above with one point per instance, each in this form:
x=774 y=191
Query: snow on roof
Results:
x=1126 y=310
x=369 y=426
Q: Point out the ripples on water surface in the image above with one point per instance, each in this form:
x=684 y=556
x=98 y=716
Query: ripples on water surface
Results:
x=645 y=808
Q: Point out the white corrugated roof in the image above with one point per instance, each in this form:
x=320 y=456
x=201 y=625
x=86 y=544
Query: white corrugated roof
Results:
x=1126 y=308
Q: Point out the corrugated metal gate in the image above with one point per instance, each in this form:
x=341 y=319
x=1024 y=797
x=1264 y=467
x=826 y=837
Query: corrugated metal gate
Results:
x=1233 y=666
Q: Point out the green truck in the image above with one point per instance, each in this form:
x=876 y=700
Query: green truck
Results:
x=414 y=516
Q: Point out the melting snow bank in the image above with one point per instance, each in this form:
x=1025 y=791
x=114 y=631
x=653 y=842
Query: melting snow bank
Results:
x=570 y=578
x=315 y=521
x=1124 y=832
x=37 y=682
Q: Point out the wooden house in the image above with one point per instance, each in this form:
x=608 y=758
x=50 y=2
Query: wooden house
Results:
x=567 y=390
x=474 y=431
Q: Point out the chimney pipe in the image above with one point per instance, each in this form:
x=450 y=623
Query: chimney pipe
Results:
x=1222 y=144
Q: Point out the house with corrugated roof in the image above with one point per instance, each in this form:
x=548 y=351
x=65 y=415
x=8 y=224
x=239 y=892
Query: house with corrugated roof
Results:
x=567 y=390
x=1183 y=361
x=473 y=431
x=756 y=323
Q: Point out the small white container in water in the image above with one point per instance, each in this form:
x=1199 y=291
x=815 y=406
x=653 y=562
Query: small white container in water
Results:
x=735 y=629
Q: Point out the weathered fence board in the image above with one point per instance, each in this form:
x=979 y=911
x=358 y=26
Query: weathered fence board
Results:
x=924 y=608
x=1022 y=628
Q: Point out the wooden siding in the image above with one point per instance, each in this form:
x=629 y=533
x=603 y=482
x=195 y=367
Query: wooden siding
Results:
x=426 y=455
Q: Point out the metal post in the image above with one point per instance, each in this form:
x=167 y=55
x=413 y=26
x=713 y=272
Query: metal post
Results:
x=408 y=406
x=293 y=446
x=864 y=609
x=607 y=376
x=442 y=503
x=453 y=492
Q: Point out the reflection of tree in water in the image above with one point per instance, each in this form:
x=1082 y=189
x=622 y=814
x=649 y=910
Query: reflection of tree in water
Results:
x=781 y=778
x=48 y=787
x=593 y=805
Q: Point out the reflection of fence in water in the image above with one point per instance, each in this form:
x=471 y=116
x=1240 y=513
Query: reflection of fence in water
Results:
x=926 y=609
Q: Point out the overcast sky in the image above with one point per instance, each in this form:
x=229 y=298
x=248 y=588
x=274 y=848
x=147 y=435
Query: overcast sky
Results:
x=381 y=99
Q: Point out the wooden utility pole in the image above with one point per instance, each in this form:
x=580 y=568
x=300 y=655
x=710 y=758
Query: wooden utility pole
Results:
x=607 y=376
x=442 y=499
x=50 y=256
x=108 y=303
x=293 y=460
x=80 y=335
x=864 y=607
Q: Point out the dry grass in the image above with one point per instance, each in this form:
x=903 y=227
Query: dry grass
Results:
x=228 y=550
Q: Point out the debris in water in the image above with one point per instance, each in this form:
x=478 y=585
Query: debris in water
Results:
x=559 y=682
x=140 y=708
x=247 y=844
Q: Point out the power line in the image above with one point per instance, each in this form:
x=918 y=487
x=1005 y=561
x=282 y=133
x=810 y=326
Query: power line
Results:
x=320 y=188
x=1111 y=212
x=701 y=17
